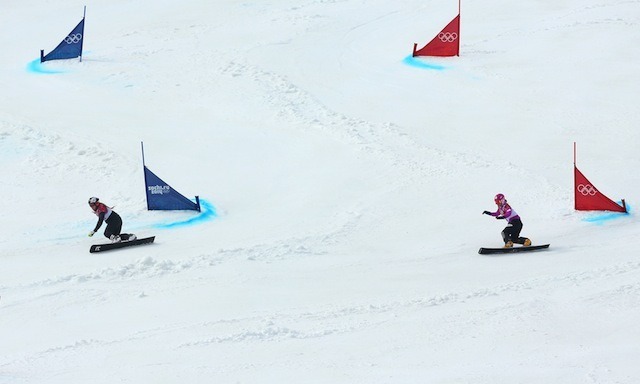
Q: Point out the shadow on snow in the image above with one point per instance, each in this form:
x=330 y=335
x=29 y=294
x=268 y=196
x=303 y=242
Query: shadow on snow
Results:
x=601 y=218
x=207 y=213
x=417 y=63
x=36 y=67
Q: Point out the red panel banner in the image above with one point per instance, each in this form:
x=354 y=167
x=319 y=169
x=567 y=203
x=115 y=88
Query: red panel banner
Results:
x=588 y=198
x=446 y=43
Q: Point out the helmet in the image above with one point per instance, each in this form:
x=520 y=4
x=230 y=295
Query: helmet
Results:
x=499 y=199
x=93 y=200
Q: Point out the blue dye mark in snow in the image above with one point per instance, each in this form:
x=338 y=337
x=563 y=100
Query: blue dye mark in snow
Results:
x=36 y=67
x=207 y=213
x=601 y=218
x=417 y=63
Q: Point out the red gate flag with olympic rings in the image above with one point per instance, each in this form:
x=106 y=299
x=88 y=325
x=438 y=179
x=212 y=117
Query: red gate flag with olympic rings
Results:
x=587 y=196
x=446 y=43
x=70 y=47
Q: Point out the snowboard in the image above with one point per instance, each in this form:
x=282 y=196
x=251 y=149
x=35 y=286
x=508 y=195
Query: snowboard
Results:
x=514 y=249
x=109 y=246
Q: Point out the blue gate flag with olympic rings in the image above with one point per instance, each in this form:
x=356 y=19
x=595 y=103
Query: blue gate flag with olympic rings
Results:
x=69 y=48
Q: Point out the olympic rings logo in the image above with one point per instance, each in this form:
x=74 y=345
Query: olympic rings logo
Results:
x=587 y=189
x=73 y=39
x=447 y=37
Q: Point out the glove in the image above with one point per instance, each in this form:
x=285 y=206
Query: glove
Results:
x=486 y=213
x=499 y=217
x=91 y=233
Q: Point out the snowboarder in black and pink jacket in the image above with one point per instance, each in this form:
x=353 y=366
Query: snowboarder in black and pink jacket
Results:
x=113 y=220
x=511 y=233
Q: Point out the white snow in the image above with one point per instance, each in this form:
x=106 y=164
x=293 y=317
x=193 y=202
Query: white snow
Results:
x=345 y=188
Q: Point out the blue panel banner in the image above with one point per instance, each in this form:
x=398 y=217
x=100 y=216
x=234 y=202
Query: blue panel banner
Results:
x=160 y=195
x=70 y=47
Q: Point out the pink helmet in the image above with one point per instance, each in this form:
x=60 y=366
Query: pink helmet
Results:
x=499 y=199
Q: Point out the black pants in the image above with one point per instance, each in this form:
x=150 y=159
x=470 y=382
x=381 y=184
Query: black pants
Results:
x=512 y=232
x=114 y=225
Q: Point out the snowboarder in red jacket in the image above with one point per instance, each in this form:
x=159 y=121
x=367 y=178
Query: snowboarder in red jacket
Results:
x=511 y=233
x=113 y=220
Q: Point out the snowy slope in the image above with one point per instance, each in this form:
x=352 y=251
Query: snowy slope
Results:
x=344 y=186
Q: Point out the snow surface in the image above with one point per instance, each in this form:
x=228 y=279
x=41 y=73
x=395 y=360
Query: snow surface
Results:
x=343 y=183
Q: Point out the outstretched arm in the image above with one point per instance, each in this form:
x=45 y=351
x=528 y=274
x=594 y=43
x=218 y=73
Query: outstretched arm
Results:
x=100 y=220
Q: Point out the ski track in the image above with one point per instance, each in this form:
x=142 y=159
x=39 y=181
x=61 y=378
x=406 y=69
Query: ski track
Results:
x=42 y=152
x=410 y=159
x=149 y=267
x=336 y=320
